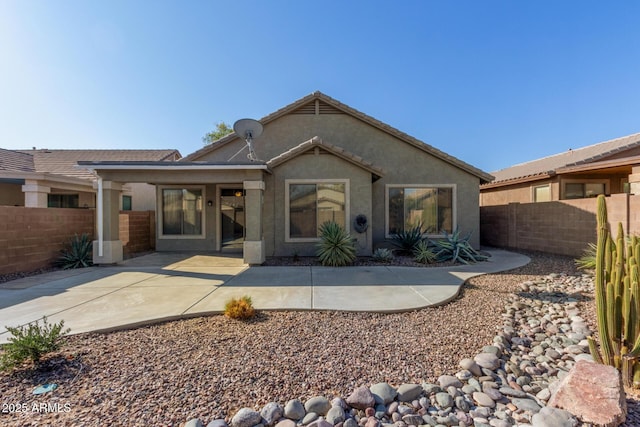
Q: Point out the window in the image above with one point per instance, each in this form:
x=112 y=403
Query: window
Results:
x=310 y=204
x=542 y=193
x=431 y=207
x=581 y=190
x=126 y=203
x=63 y=200
x=182 y=212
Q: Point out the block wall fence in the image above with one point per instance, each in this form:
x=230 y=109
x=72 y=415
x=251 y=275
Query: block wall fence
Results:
x=562 y=227
x=31 y=238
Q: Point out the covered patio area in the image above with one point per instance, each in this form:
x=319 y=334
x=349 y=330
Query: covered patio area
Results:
x=201 y=206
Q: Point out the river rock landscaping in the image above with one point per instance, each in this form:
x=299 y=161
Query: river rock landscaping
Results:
x=492 y=357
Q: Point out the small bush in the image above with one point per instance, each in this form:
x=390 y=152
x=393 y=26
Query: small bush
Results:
x=407 y=240
x=240 y=309
x=423 y=253
x=382 y=255
x=336 y=247
x=31 y=342
x=77 y=253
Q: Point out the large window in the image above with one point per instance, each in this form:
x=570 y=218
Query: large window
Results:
x=581 y=190
x=63 y=200
x=182 y=212
x=310 y=204
x=431 y=207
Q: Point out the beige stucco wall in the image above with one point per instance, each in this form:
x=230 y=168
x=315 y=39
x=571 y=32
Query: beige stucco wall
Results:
x=523 y=192
x=11 y=194
x=318 y=167
x=402 y=164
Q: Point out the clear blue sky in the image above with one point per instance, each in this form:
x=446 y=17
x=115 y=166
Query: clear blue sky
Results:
x=494 y=83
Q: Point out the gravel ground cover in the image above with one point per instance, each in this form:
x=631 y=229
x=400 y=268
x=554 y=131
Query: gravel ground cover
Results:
x=210 y=367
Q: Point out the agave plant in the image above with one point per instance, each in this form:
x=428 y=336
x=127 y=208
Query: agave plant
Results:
x=77 y=253
x=336 y=247
x=423 y=253
x=406 y=240
x=588 y=259
x=457 y=249
x=382 y=255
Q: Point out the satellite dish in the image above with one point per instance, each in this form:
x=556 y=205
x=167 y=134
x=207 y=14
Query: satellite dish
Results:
x=248 y=129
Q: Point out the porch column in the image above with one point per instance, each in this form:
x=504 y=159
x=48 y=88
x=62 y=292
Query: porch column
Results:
x=108 y=248
x=253 y=247
x=634 y=180
x=35 y=195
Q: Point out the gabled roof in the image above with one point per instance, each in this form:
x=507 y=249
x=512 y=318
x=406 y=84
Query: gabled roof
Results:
x=64 y=162
x=14 y=161
x=338 y=151
x=549 y=166
x=329 y=105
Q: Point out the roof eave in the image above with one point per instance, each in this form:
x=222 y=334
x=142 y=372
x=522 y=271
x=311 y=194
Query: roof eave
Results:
x=518 y=180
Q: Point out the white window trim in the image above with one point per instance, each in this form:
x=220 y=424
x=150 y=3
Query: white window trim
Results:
x=162 y=236
x=605 y=181
x=287 y=223
x=533 y=192
x=454 y=210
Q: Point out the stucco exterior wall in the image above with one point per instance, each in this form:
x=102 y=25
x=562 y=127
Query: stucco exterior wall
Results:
x=11 y=195
x=402 y=163
x=315 y=167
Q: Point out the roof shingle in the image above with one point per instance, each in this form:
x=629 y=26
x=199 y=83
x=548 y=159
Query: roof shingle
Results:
x=14 y=161
x=579 y=156
x=64 y=162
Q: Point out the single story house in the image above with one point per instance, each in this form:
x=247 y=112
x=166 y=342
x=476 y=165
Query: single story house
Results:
x=316 y=159
x=51 y=178
x=609 y=167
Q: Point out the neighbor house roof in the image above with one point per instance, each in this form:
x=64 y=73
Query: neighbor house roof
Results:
x=65 y=162
x=14 y=161
x=337 y=151
x=565 y=161
x=328 y=104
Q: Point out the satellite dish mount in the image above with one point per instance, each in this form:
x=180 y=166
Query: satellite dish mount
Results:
x=248 y=129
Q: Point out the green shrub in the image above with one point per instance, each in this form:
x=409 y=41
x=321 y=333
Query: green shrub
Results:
x=241 y=309
x=31 y=342
x=77 y=253
x=382 y=255
x=588 y=259
x=457 y=249
x=423 y=253
x=407 y=240
x=336 y=247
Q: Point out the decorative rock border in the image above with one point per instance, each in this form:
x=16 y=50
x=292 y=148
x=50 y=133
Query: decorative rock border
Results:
x=507 y=384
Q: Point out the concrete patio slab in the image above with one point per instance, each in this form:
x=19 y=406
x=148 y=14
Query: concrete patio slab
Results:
x=130 y=306
x=272 y=277
x=162 y=286
x=262 y=297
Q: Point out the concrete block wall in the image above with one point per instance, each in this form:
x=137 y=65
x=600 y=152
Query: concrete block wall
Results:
x=31 y=238
x=563 y=227
x=137 y=231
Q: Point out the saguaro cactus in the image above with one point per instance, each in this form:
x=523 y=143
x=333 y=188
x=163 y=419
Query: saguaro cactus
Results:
x=617 y=290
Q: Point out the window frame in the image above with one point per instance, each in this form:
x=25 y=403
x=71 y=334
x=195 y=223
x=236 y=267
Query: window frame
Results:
x=159 y=227
x=130 y=199
x=533 y=193
x=454 y=207
x=287 y=208
x=606 y=182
